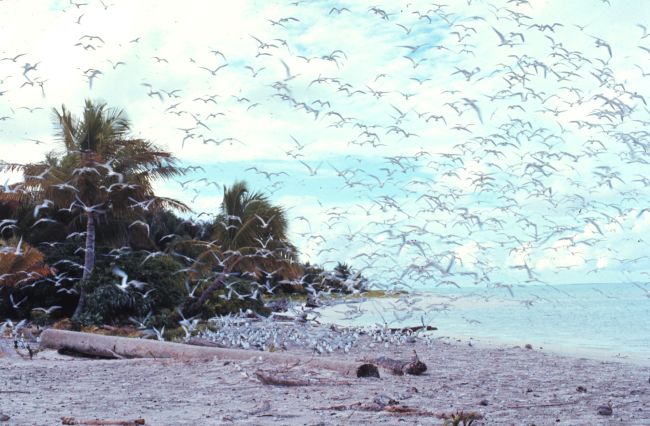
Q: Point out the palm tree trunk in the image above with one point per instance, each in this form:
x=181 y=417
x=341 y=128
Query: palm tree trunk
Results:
x=89 y=260
x=208 y=292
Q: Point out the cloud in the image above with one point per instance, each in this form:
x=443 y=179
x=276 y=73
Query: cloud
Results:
x=560 y=137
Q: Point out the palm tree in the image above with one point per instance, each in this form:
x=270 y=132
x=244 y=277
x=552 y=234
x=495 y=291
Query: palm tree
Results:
x=166 y=228
x=101 y=172
x=250 y=235
x=20 y=265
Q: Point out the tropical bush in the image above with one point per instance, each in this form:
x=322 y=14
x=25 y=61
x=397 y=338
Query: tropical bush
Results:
x=164 y=286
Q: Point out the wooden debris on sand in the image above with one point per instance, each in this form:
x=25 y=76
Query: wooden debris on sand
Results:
x=399 y=367
x=400 y=411
x=73 y=421
x=450 y=415
x=354 y=406
x=279 y=381
x=198 y=341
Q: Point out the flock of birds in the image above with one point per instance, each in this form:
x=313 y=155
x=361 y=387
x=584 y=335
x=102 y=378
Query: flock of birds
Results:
x=244 y=331
x=17 y=333
x=469 y=143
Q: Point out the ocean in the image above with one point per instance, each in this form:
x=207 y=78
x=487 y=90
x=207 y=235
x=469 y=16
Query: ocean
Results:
x=609 y=317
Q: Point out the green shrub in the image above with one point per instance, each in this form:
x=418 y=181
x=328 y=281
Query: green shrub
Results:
x=40 y=318
x=174 y=335
x=86 y=319
x=103 y=297
x=161 y=320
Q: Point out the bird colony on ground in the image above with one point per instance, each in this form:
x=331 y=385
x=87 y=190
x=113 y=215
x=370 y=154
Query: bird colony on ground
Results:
x=270 y=335
x=471 y=143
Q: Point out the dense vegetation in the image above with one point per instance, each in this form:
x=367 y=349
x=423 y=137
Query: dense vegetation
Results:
x=85 y=232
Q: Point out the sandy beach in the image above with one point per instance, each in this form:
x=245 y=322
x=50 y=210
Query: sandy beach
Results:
x=520 y=387
x=325 y=187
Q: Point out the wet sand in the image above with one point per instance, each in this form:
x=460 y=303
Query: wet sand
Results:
x=521 y=387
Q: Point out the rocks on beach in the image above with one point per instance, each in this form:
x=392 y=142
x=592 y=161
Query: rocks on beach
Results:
x=604 y=410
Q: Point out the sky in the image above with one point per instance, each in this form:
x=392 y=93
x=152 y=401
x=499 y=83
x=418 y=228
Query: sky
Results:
x=474 y=143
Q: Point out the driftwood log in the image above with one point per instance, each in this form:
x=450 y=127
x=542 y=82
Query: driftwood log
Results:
x=399 y=367
x=115 y=347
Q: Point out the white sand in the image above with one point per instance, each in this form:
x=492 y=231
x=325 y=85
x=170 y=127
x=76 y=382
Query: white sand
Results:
x=174 y=392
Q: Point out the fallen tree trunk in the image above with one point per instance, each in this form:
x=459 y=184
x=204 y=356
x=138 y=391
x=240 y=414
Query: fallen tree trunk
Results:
x=112 y=347
x=398 y=367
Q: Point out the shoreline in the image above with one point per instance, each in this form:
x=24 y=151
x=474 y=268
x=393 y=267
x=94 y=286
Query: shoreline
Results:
x=505 y=321
x=636 y=358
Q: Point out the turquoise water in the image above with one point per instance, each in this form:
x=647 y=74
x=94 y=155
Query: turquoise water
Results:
x=613 y=317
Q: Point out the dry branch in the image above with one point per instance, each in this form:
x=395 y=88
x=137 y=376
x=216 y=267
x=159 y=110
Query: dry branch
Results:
x=376 y=407
x=407 y=411
x=544 y=405
x=277 y=381
x=270 y=380
x=73 y=421
x=197 y=341
x=339 y=407
x=118 y=356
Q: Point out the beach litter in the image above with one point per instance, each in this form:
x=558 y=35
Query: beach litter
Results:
x=604 y=410
x=414 y=366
